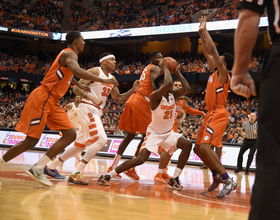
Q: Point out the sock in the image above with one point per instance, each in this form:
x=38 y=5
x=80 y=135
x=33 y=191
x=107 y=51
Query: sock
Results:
x=214 y=172
x=113 y=173
x=55 y=164
x=116 y=161
x=43 y=162
x=177 y=172
x=80 y=168
x=2 y=161
x=225 y=176
x=161 y=170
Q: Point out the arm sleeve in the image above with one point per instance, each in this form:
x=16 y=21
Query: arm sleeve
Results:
x=192 y=111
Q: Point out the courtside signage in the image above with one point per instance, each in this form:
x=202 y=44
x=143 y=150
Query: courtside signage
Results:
x=229 y=152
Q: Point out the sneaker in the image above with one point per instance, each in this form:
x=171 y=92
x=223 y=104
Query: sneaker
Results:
x=217 y=179
x=77 y=178
x=203 y=167
x=159 y=178
x=118 y=176
x=132 y=174
x=229 y=186
x=238 y=170
x=247 y=172
x=38 y=175
x=166 y=176
x=175 y=183
x=104 y=180
x=53 y=173
x=0 y=184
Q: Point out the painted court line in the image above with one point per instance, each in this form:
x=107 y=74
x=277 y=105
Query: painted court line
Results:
x=204 y=200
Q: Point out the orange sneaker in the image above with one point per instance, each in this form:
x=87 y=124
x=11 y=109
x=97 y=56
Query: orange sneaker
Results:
x=159 y=178
x=166 y=176
x=118 y=176
x=132 y=174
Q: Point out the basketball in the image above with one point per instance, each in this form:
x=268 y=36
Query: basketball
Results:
x=170 y=63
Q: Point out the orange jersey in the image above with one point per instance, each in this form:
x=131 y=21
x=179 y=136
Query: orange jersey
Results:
x=58 y=78
x=146 y=89
x=217 y=92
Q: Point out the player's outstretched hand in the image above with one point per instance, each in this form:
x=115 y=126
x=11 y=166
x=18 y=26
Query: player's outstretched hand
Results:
x=136 y=85
x=243 y=85
x=111 y=81
x=202 y=21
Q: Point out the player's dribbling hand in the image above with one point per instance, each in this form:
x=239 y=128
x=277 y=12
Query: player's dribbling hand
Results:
x=112 y=81
x=243 y=84
x=136 y=85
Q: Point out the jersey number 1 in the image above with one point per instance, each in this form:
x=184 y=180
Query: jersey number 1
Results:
x=167 y=115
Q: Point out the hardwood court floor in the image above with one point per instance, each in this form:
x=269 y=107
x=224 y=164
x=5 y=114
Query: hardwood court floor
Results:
x=22 y=198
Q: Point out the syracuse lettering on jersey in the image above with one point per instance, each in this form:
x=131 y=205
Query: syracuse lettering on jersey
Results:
x=167 y=107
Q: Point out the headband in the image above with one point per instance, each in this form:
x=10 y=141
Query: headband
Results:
x=106 y=57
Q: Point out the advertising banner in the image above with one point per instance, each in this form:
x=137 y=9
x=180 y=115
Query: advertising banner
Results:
x=228 y=158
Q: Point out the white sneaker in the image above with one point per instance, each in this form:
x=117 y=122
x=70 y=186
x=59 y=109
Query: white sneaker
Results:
x=38 y=175
x=0 y=184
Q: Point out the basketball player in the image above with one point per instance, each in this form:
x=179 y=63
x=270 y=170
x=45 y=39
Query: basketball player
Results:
x=71 y=109
x=159 y=131
x=216 y=119
x=42 y=107
x=92 y=134
x=137 y=111
x=181 y=109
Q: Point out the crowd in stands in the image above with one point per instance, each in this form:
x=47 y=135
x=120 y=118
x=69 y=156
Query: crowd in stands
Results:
x=141 y=13
x=12 y=102
x=135 y=64
x=18 y=62
x=45 y=15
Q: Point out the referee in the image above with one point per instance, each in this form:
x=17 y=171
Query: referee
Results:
x=250 y=142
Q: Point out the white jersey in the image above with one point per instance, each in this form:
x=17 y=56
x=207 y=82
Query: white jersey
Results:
x=74 y=120
x=163 y=116
x=100 y=91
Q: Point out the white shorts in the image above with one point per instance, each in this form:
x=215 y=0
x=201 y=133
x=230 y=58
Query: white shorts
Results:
x=91 y=126
x=167 y=141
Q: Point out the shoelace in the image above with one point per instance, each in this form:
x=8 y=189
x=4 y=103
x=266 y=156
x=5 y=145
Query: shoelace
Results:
x=80 y=176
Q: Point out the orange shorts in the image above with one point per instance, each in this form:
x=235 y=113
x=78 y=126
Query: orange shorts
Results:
x=136 y=115
x=42 y=109
x=213 y=127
